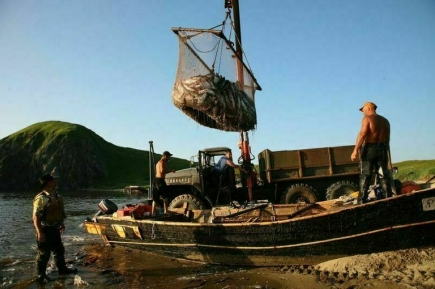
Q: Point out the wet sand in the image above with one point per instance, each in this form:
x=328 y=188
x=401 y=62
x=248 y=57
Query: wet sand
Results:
x=125 y=268
x=100 y=266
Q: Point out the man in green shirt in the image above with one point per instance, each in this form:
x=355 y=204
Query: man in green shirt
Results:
x=48 y=219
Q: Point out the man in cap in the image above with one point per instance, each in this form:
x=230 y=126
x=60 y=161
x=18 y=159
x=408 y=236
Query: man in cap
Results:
x=373 y=145
x=48 y=219
x=160 y=192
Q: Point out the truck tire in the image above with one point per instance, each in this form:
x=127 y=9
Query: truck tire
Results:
x=193 y=201
x=299 y=193
x=339 y=189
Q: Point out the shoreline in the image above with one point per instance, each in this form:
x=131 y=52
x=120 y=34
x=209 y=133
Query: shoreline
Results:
x=412 y=268
x=101 y=266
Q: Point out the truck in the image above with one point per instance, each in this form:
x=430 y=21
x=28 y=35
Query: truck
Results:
x=289 y=176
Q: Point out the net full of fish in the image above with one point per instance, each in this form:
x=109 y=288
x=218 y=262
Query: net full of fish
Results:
x=215 y=102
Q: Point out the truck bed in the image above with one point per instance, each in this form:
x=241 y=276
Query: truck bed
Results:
x=307 y=163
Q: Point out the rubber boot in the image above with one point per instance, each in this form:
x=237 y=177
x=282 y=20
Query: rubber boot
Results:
x=386 y=187
x=62 y=269
x=42 y=279
x=41 y=271
x=364 y=184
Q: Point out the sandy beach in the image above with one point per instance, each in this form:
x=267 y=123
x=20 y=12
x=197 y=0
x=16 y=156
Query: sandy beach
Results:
x=125 y=268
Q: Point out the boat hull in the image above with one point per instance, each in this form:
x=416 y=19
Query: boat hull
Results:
x=396 y=223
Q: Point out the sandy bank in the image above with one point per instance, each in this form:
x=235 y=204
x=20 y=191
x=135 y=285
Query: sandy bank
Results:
x=125 y=268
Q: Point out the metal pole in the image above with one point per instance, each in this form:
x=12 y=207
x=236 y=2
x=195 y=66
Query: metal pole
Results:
x=245 y=148
x=152 y=167
x=239 y=50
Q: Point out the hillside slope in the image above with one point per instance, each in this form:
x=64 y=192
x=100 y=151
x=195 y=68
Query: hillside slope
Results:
x=416 y=170
x=80 y=158
x=84 y=160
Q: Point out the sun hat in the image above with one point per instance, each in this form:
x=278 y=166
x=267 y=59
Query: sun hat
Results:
x=45 y=179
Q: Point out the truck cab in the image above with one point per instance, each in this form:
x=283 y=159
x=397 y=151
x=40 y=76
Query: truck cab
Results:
x=201 y=185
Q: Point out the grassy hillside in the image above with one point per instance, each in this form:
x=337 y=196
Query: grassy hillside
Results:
x=420 y=171
x=79 y=156
x=83 y=159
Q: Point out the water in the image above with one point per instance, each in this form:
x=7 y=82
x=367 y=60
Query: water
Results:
x=117 y=268
x=17 y=234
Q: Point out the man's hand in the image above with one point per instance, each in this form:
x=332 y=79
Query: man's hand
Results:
x=353 y=157
x=62 y=228
x=41 y=237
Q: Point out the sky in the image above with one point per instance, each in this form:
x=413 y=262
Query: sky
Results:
x=111 y=65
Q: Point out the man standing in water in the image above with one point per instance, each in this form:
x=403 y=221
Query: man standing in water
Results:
x=373 y=145
x=160 y=192
x=48 y=219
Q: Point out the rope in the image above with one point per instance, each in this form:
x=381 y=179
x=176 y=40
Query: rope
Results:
x=243 y=56
x=273 y=217
x=193 y=45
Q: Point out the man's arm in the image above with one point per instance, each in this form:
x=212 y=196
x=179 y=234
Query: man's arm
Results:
x=62 y=205
x=388 y=132
x=39 y=232
x=361 y=137
x=39 y=203
x=232 y=164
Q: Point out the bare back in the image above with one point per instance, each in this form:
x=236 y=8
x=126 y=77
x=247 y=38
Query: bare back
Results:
x=161 y=169
x=374 y=129
x=377 y=129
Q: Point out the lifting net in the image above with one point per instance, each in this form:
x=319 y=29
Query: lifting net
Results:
x=207 y=85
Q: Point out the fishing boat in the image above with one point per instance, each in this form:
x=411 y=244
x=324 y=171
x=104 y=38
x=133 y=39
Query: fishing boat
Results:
x=257 y=233
x=264 y=234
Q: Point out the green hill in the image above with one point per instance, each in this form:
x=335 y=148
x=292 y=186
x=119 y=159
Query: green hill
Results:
x=421 y=171
x=81 y=159
x=84 y=160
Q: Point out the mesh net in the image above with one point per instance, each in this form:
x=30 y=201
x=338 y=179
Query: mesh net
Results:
x=207 y=86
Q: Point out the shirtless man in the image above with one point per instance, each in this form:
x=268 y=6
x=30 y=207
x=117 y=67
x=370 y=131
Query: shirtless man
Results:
x=373 y=144
x=160 y=191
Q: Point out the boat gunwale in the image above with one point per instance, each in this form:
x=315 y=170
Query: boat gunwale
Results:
x=336 y=210
x=286 y=246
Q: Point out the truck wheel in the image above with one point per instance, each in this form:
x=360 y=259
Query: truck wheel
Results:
x=339 y=189
x=193 y=201
x=299 y=193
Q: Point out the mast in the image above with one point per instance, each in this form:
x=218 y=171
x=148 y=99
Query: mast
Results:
x=250 y=176
x=239 y=50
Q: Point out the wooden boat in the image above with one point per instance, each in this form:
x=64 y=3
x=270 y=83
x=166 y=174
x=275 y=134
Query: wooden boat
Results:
x=266 y=234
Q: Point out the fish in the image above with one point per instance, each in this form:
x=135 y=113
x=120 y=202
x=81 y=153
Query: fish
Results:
x=215 y=102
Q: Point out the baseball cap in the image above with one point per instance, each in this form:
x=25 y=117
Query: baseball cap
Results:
x=369 y=104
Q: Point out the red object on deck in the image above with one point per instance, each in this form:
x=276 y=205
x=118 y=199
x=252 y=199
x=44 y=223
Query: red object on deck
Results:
x=123 y=212
x=135 y=211
x=140 y=211
x=409 y=187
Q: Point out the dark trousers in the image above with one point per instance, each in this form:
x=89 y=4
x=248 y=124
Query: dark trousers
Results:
x=160 y=190
x=374 y=157
x=53 y=243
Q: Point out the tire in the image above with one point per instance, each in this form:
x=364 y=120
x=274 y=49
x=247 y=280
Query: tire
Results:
x=299 y=193
x=193 y=202
x=339 y=189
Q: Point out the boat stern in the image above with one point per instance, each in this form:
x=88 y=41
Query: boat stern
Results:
x=96 y=229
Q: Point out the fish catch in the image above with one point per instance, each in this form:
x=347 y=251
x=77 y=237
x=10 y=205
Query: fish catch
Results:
x=215 y=102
